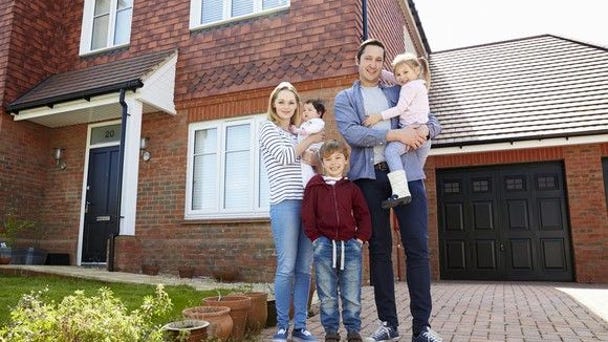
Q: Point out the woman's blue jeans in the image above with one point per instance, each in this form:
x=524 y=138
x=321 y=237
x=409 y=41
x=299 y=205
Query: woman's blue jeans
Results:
x=335 y=283
x=294 y=259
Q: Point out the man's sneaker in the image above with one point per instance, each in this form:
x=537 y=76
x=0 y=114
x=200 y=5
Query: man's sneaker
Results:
x=281 y=335
x=427 y=335
x=302 y=335
x=384 y=333
x=353 y=337
x=332 y=337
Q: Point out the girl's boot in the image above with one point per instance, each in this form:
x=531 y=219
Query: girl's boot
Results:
x=401 y=191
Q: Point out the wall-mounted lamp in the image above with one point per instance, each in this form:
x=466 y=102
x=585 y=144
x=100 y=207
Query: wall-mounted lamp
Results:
x=58 y=156
x=143 y=144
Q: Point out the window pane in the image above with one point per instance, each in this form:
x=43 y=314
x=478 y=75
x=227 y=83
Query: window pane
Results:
x=102 y=7
x=211 y=11
x=241 y=7
x=204 y=182
x=124 y=4
x=205 y=141
x=238 y=186
x=267 y=4
x=123 y=27
x=100 y=32
x=237 y=167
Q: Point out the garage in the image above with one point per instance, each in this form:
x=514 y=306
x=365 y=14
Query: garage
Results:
x=506 y=222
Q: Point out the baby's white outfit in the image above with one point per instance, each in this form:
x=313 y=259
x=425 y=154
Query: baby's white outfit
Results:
x=314 y=125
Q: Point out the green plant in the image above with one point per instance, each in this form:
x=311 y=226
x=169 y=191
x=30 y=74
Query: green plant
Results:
x=81 y=318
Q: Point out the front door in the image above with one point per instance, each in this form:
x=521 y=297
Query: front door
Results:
x=101 y=201
x=506 y=222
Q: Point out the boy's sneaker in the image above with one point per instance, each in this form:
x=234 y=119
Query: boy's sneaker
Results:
x=354 y=337
x=332 y=337
x=281 y=335
x=384 y=333
x=302 y=335
x=427 y=335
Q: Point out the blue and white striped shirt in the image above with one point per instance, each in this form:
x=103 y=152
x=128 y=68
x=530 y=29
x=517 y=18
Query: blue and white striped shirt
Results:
x=281 y=163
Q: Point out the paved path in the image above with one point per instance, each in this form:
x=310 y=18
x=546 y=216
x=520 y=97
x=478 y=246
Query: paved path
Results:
x=471 y=311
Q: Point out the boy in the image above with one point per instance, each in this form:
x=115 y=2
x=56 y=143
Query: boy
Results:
x=337 y=221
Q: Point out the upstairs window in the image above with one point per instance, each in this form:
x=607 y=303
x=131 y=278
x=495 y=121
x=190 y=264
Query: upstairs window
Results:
x=225 y=177
x=210 y=12
x=105 y=24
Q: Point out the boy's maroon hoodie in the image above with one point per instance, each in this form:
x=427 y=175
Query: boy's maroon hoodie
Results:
x=338 y=212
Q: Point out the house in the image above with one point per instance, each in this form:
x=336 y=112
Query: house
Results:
x=128 y=128
x=129 y=131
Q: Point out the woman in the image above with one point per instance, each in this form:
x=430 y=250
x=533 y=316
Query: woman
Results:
x=282 y=155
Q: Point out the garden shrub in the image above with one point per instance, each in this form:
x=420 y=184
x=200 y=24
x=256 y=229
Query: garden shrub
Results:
x=81 y=318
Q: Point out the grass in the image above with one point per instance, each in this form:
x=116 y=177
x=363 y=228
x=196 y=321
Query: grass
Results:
x=13 y=287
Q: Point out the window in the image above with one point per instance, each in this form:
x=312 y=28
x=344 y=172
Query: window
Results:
x=209 y=12
x=225 y=176
x=105 y=24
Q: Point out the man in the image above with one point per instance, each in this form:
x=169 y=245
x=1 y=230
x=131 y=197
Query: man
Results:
x=369 y=170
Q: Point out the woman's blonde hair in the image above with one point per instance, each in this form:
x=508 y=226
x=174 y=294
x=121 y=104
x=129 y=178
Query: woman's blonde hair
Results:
x=272 y=111
x=414 y=62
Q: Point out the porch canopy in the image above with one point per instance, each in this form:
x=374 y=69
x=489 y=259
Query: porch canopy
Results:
x=91 y=94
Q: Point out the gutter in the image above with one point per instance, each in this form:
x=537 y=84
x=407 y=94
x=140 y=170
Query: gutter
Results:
x=364 y=19
x=121 y=162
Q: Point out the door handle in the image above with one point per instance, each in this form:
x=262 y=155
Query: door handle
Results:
x=501 y=247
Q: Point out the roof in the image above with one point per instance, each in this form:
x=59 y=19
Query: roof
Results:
x=525 y=89
x=92 y=81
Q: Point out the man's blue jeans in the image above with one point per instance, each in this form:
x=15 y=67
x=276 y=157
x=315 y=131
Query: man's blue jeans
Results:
x=334 y=283
x=294 y=259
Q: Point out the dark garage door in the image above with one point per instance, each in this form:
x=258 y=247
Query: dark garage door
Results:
x=506 y=222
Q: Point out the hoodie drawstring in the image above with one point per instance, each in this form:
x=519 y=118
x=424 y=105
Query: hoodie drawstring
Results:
x=334 y=254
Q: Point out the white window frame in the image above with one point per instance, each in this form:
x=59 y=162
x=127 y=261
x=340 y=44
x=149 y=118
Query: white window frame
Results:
x=258 y=208
x=196 y=6
x=86 y=33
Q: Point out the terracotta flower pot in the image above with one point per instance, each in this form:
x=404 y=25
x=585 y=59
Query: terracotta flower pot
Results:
x=217 y=316
x=189 y=330
x=239 y=307
x=258 y=313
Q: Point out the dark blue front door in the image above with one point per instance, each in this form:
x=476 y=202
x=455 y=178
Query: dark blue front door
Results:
x=100 y=212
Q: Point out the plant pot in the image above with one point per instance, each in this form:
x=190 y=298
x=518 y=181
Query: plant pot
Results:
x=258 y=312
x=185 y=271
x=189 y=330
x=239 y=307
x=220 y=322
x=150 y=269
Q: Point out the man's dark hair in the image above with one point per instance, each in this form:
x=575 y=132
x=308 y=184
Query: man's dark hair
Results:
x=368 y=42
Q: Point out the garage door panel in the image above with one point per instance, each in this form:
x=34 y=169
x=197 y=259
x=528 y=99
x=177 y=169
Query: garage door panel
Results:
x=483 y=218
x=554 y=254
x=485 y=254
x=455 y=250
x=517 y=211
x=454 y=217
x=550 y=212
x=521 y=254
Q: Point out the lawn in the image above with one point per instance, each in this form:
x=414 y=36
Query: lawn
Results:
x=13 y=287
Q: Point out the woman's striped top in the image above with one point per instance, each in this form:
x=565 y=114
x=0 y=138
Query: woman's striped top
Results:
x=282 y=164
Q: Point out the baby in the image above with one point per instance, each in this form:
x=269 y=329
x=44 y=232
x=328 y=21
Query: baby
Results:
x=312 y=122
